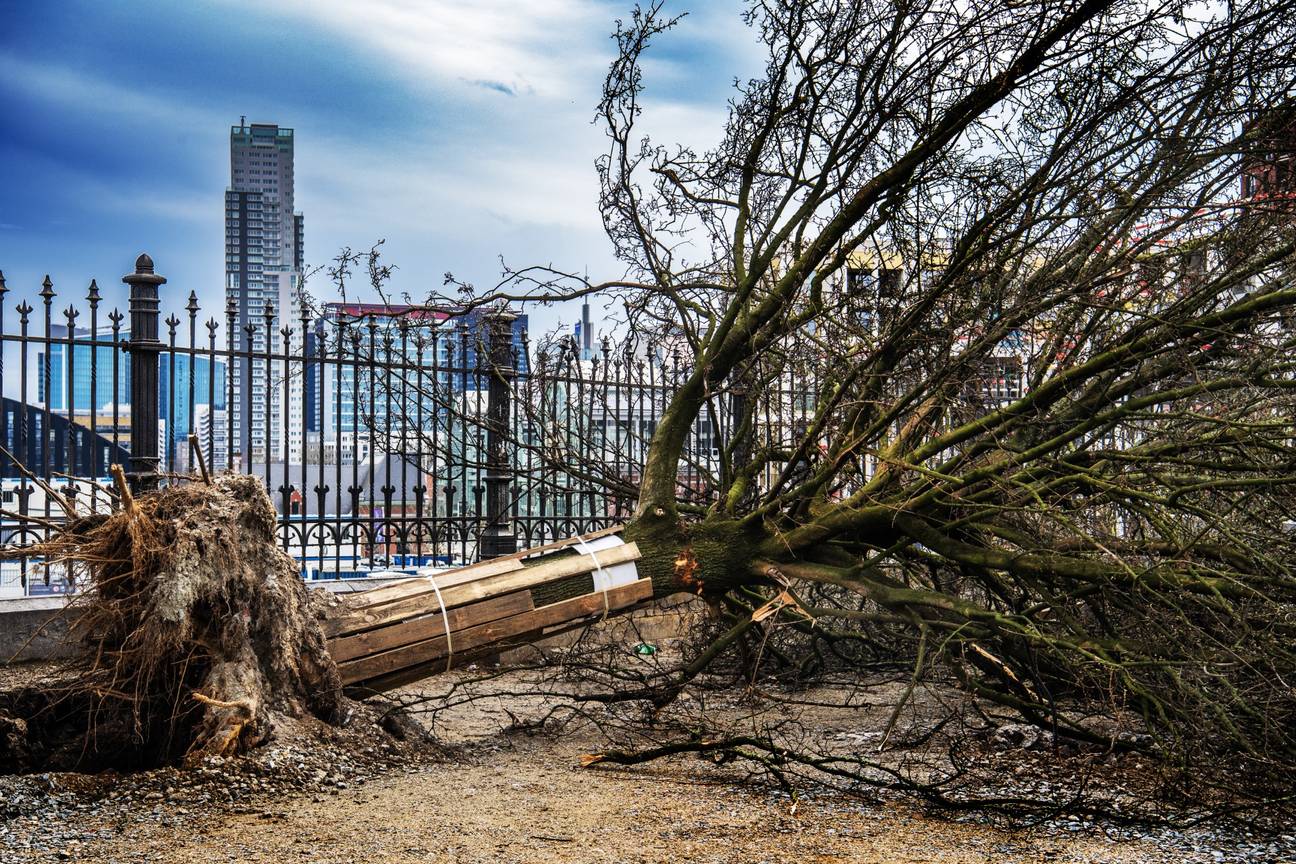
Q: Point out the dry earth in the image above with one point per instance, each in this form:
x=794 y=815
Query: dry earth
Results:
x=321 y=797
x=530 y=804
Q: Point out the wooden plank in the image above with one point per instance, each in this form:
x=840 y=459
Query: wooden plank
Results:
x=423 y=584
x=562 y=544
x=430 y=650
x=419 y=629
x=368 y=618
x=485 y=639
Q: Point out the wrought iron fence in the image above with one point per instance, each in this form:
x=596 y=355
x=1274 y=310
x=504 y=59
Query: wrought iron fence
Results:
x=388 y=437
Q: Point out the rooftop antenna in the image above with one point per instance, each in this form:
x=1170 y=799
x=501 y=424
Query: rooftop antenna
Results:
x=242 y=121
x=587 y=337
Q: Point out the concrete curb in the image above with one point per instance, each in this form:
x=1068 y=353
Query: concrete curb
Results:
x=33 y=628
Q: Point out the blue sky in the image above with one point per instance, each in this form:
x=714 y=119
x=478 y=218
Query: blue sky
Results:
x=457 y=131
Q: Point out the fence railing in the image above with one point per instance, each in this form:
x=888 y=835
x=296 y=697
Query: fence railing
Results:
x=388 y=437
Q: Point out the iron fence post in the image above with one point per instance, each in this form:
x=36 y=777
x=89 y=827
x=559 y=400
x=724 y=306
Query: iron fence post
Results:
x=144 y=349
x=498 y=538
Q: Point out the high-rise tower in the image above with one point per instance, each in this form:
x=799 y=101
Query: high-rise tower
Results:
x=263 y=267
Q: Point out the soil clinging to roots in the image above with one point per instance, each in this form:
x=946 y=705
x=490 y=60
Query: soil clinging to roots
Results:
x=196 y=636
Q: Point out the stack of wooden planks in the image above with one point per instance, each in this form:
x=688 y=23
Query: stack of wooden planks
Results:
x=395 y=634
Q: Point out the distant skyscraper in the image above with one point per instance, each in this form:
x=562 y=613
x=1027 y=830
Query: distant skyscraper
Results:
x=208 y=381
x=263 y=267
x=211 y=427
x=585 y=334
x=77 y=382
x=91 y=379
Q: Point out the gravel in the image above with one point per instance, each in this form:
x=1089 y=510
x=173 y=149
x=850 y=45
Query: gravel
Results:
x=317 y=794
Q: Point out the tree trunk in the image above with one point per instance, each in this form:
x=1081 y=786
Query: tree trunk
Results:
x=707 y=558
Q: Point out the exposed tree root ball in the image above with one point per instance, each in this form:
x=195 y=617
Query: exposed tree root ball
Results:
x=196 y=635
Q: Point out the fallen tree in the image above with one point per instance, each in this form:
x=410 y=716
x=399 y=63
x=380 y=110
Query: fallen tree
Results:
x=1047 y=442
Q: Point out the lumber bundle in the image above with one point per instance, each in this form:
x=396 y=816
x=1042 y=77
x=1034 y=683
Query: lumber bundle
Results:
x=420 y=627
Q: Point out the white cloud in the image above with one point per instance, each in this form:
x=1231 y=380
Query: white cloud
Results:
x=495 y=157
x=99 y=95
x=539 y=46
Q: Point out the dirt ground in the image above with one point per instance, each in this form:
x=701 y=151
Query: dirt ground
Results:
x=532 y=804
x=498 y=797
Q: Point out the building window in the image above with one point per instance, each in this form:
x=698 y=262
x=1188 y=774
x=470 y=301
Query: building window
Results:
x=859 y=283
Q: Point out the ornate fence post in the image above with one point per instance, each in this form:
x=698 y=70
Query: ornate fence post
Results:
x=144 y=349
x=498 y=538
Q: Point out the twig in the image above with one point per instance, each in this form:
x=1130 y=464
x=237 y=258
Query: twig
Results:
x=66 y=505
x=913 y=682
x=196 y=447
x=242 y=704
x=94 y=485
x=119 y=478
x=27 y=517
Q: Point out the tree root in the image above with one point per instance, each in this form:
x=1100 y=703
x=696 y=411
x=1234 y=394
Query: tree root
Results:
x=195 y=632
